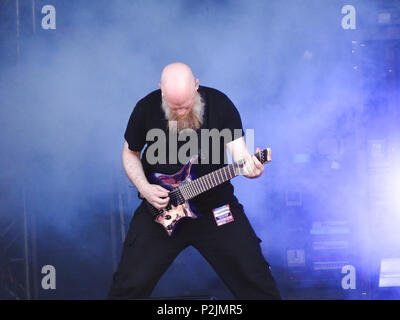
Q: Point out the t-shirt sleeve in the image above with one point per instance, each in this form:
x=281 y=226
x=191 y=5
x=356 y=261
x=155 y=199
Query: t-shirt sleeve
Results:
x=135 y=133
x=231 y=119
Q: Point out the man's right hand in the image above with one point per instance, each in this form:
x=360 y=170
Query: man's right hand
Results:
x=156 y=195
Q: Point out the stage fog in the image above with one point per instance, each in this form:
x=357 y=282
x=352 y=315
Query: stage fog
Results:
x=318 y=84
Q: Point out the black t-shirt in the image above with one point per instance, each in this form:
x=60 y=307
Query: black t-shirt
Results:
x=219 y=113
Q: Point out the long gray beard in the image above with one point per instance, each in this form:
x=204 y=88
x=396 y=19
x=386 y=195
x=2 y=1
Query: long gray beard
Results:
x=192 y=120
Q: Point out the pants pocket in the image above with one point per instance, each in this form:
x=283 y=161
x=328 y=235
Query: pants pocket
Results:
x=239 y=214
x=130 y=239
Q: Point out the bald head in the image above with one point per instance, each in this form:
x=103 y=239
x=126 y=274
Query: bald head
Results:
x=182 y=104
x=178 y=84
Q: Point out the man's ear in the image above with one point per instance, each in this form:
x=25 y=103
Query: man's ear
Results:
x=159 y=84
x=197 y=84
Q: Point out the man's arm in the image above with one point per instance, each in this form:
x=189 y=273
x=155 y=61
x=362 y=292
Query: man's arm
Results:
x=155 y=194
x=237 y=148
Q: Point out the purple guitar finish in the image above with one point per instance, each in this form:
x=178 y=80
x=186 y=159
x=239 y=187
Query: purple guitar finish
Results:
x=184 y=186
x=175 y=210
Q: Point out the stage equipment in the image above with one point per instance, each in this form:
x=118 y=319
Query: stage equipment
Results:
x=389 y=273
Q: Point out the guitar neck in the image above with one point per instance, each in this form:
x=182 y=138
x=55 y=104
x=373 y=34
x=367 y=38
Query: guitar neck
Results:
x=209 y=181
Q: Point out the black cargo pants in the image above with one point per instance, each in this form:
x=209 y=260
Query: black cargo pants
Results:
x=233 y=250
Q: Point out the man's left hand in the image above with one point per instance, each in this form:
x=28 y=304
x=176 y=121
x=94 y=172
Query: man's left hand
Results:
x=253 y=168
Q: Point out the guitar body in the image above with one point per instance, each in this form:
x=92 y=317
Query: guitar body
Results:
x=171 y=215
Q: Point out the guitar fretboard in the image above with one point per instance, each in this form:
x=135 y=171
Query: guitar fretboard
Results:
x=194 y=188
x=191 y=189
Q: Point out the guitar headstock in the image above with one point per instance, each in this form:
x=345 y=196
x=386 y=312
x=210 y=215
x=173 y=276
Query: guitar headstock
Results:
x=264 y=156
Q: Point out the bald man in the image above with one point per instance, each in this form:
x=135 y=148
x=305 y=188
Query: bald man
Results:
x=232 y=248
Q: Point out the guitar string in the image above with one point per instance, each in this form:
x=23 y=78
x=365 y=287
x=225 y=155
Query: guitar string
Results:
x=196 y=187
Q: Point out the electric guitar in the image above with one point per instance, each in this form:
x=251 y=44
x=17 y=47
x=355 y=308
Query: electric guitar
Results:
x=184 y=186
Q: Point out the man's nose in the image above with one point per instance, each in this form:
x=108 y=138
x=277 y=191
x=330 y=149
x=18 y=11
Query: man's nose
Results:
x=181 y=112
